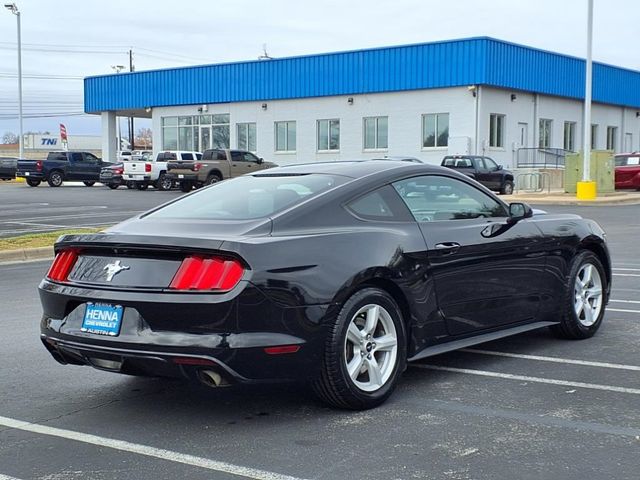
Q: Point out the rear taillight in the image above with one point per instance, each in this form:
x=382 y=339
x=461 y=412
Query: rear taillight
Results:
x=147 y=167
x=119 y=171
x=62 y=265
x=200 y=273
x=197 y=167
x=39 y=165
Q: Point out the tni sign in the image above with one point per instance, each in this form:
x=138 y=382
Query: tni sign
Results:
x=49 y=141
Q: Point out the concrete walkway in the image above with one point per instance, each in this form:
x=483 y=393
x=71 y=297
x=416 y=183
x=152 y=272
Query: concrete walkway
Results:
x=558 y=197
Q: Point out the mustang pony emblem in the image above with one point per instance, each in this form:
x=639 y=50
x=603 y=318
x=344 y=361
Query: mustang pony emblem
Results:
x=113 y=269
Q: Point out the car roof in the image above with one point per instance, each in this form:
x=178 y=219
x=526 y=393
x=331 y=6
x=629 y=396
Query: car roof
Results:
x=353 y=168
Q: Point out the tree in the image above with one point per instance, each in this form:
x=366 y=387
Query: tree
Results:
x=9 y=138
x=144 y=138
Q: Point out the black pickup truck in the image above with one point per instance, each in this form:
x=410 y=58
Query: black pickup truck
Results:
x=483 y=170
x=60 y=166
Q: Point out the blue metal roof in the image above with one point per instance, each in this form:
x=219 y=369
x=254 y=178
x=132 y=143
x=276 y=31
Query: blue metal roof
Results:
x=473 y=61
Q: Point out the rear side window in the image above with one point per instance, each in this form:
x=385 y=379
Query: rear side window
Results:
x=248 y=197
x=198 y=156
x=213 y=155
x=77 y=157
x=381 y=205
x=186 y=156
x=57 y=156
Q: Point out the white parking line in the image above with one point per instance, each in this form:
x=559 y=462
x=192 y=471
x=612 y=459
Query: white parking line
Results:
x=617 y=366
x=6 y=477
x=625 y=301
x=160 y=453
x=524 y=378
x=622 y=310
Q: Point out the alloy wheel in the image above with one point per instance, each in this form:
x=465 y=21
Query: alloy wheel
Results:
x=588 y=294
x=371 y=347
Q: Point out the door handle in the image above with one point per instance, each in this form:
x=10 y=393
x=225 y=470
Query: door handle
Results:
x=447 y=247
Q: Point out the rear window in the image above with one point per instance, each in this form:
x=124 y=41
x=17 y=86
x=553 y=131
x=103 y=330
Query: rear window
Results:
x=623 y=161
x=457 y=162
x=214 y=155
x=249 y=197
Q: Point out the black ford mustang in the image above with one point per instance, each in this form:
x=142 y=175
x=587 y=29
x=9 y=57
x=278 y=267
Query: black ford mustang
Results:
x=337 y=274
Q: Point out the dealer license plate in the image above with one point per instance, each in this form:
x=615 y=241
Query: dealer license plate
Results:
x=26 y=174
x=180 y=176
x=138 y=177
x=102 y=319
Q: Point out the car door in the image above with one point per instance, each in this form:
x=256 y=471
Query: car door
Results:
x=482 y=173
x=487 y=270
x=77 y=169
x=238 y=163
x=93 y=166
x=494 y=173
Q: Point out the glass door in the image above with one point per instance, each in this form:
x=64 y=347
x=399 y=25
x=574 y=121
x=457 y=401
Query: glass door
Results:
x=205 y=138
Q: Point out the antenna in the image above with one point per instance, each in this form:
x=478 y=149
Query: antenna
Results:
x=265 y=55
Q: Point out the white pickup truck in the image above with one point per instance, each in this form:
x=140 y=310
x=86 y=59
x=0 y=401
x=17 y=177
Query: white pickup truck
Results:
x=147 y=171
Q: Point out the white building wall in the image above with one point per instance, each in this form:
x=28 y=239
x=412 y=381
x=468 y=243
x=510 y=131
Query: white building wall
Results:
x=404 y=111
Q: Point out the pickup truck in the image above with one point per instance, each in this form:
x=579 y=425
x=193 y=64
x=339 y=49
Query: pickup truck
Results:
x=8 y=168
x=146 y=171
x=627 y=170
x=482 y=169
x=60 y=166
x=216 y=165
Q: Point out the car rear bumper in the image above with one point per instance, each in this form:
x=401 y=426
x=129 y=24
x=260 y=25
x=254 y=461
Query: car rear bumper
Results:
x=136 y=178
x=111 y=179
x=34 y=175
x=182 y=176
x=228 y=337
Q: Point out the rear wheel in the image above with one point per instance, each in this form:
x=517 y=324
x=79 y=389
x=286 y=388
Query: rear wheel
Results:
x=130 y=185
x=186 y=186
x=142 y=185
x=365 y=352
x=212 y=178
x=585 y=298
x=507 y=188
x=164 y=182
x=89 y=184
x=32 y=182
x=113 y=186
x=55 y=179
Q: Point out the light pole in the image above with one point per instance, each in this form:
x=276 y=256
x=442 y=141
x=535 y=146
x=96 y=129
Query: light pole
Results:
x=117 y=69
x=14 y=9
x=587 y=188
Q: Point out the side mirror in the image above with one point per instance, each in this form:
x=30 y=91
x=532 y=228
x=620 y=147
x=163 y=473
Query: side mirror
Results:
x=519 y=211
x=499 y=168
x=260 y=160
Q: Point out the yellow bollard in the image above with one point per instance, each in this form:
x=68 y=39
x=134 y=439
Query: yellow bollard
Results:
x=586 y=190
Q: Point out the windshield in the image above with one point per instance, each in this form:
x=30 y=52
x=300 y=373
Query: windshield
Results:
x=248 y=197
x=622 y=161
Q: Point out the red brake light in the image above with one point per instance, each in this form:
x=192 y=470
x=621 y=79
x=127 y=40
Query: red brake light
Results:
x=198 y=273
x=197 y=166
x=62 y=265
x=147 y=167
x=282 y=349
x=119 y=171
x=39 y=165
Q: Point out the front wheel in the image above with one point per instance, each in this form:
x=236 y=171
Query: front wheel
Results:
x=365 y=352
x=507 y=188
x=32 y=182
x=585 y=298
x=89 y=184
x=164 y=182
x=55 y=179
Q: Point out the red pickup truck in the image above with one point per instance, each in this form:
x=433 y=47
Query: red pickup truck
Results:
x=627 y=170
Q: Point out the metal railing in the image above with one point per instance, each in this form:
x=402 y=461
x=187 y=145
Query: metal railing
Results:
x=541 y=157
x=533 y=182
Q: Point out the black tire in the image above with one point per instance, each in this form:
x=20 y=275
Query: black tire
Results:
x=89 y=184
x=186 y=187
x=142 y=185
x=212 y=178
x=507 y=188
x=334 y=384
x=32 y=182
x=130 y=185
x=570 y=326
x=113 y=186
x=164 y=183
x=55 y=178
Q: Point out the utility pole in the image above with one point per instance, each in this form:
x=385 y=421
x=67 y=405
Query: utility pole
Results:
x=132 y=133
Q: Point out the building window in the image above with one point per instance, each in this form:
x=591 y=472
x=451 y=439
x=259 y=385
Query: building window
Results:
x=611 y=138
x=544 y=139
x=496 y=130
x=246 y=136
x=594 y=136
x=570 y=136
x=328 y=135
x=185 y=132
x=285 y=136
x=435 y=130
x=376 y=133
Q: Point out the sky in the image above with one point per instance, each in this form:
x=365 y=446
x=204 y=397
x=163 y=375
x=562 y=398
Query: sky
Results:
x=66 y=40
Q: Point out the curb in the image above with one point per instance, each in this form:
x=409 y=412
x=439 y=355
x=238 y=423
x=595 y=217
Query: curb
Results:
x=26 y=255
x=574 y=201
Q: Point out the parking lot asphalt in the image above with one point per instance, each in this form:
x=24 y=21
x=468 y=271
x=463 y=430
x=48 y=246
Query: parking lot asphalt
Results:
x=525 y=407
x=25 y=209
